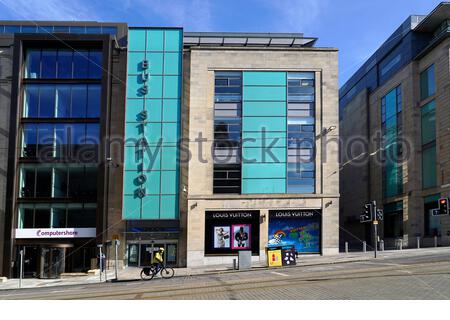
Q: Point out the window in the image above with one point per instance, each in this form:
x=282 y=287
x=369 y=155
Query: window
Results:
x=432 y=225
x=427 y=83
x=301 y=133
x=428 y=125
x=227 y=132
x=62 y=101
x=392 y=127
x=63 y=64
x=393 y=220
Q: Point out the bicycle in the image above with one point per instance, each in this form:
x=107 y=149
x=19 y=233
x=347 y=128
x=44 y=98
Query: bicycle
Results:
x=147 y=273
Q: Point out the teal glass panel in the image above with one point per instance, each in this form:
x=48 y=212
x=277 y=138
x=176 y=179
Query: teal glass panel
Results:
x=263 y=170
x=155 y=85
x=133 y=131
x=136 y=40
x=134 y=85
x=133 y=158
x=173 y=40
x=172 y=87
x=154 y=110
x=155 y=40
x=130 y=183
x=429 y=167
x=169 y=182
x=170 y=133
x=268 y=186
x=131 y=207
x=169 y=158
x=391 y=104
x=264 y=94
x=135 y=62
x=156 y=61
x=153 y=183
x=264 y=108
x=153 y=133
x=172 y=63
x=261 y=78
x=171 y=110
x=264 y=123
x=150 y=207
x=255 y=139
x=152 y=158
x=169 y=208
x=133 y=108
x=260 y=155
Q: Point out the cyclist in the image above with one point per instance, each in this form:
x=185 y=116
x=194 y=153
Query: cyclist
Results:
x=158 y=259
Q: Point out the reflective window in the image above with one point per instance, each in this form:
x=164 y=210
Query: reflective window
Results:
x=427 y=83
x=65 y=64
x=33 y=64
x=48 y=64
x=80 y=64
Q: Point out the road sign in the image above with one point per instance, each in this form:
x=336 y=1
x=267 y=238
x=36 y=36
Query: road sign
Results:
x=379 y=215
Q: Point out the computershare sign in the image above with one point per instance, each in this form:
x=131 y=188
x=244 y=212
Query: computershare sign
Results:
x=55 y=233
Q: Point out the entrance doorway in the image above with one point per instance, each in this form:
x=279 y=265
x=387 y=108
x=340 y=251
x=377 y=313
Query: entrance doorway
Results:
x=52 y=262
x=141 y=254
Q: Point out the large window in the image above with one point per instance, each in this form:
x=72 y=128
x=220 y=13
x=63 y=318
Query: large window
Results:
x=427 y=83
x=429 y=145
x=63 y=64
x=301 y=133
x=62 y=101
x=78 y=141
x=393 y=220
x=58 y=181
x=392 y=126
x=227 y=132
x=73 y=215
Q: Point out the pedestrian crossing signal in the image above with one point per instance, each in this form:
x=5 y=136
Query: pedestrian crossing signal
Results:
x=442 y=208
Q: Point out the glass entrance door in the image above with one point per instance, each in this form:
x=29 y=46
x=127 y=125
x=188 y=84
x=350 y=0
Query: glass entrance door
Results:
x=52 y=262
x=133 y=255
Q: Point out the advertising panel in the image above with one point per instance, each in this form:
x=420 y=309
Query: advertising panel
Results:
x=55 y=233
x=301 y=228
x=227 y=232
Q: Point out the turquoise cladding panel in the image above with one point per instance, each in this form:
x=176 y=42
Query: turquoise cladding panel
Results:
x=264 y=127
x=162 y=49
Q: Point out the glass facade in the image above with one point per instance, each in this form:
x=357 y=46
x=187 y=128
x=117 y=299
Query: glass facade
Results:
x=152 y=129
x=391 y=124
x=429 y=171
x=264 y=132
x=59 y=138
x=427 y=83
x=227 y=132
x=393 y=219
x=432 y=224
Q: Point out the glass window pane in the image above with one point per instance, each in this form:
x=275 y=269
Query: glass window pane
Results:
x=78 y=30
x=26 y=217
x=44 y=181
x=63 y=97
x=29 y=140
x=42 y=218
x=59 y=217
x=94 y=30
x=79 y=101
x=80 y=64
x=12 y=29
x=109 y=30
x=93 y=108
x=61 y=137
x=65 y=64
x=48 y=64
x=33 y=64
x=60 y=183
x=90 y=182
x=61 y=29
x=31 y=103
x=75 y=188
x=28 y=182
x=77 y=134
x=45 y=140
x=47 y=101
x=95 y=65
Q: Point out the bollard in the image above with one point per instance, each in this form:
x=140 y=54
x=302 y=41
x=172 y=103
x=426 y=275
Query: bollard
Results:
x=234 y=264
x=418 y=242
x=435 y=241
x=364 y=246
x=382 y=245
x=21 y=268
x=346 y=247
x=401 y=244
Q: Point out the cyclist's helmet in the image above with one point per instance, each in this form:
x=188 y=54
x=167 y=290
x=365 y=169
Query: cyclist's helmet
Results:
x=161 y=249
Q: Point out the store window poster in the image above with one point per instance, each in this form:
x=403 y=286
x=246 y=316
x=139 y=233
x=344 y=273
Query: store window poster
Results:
x=241 y=236
x=222 y=237
x=304 y=234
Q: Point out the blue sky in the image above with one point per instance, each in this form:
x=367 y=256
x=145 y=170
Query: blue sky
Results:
x=356 y=27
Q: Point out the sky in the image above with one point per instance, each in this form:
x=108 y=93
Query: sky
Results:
x=356 y=27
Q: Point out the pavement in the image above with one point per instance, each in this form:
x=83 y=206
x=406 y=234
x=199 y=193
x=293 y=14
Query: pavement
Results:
x=130 y=274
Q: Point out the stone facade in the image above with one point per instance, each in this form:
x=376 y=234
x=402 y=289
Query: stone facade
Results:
x=361 y=182
x=199 y=99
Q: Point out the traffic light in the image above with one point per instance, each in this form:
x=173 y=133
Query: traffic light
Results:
x=367 y=214
x=380 y=215
x=443 y=207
